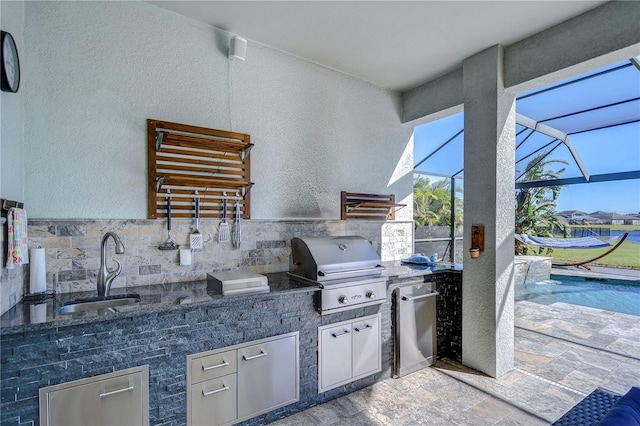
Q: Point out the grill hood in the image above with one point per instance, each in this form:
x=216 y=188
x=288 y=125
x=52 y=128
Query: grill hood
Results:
x=331 y=258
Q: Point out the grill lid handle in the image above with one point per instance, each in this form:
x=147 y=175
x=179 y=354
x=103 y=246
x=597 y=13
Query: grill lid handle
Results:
x=357 y=271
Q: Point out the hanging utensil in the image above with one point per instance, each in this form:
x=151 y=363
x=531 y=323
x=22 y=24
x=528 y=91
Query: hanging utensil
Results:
x=195 y=239
x=169 y=244
x=223 y=229
x=237 y=234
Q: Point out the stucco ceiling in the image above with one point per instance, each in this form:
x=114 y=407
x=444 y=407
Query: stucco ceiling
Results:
x=392 y=44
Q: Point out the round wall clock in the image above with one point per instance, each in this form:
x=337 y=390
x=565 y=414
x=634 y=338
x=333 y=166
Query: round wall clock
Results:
x=10 y=79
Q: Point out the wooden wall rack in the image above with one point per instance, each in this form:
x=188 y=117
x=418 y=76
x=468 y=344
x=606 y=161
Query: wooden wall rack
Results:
x=369 y=206
x=184 y=159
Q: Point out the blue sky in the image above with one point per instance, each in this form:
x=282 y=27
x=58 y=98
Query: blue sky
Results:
x=610 y=149
x=619 y=197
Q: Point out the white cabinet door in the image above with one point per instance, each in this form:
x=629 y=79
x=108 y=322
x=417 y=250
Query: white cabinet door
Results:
x=366 y=347
x=334 y=353
x=120 y=398
x=267 y=376
x=214 y=402
x=348 y=351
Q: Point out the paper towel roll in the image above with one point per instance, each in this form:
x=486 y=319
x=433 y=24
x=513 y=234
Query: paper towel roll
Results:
x=37 y=271
x=185 y=257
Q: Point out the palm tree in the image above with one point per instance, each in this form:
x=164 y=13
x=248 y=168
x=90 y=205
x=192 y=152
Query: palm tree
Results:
x=432 y=203
x=536 y=207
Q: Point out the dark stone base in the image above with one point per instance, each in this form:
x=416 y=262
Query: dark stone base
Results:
x=449 y=305
x=55 y=354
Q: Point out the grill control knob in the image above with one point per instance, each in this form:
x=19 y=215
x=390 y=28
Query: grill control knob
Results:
x=343 y=299
x=371 y=295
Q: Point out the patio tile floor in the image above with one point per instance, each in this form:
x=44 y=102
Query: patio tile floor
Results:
x=562 y=353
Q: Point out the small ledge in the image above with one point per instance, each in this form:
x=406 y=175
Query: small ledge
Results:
x=369 y=206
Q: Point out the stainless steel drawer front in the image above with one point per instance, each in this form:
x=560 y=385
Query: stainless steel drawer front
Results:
x=212 y=366
x=119 y=398
x=214 y=401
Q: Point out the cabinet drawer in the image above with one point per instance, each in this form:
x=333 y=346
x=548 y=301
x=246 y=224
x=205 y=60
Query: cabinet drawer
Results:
x=212 y=366
x=267 y=376
x=214 y=401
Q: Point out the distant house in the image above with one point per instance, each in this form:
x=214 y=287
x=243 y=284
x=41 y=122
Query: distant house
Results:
x=574 y=216
x=578 y=217
x=633 y=219
x=616 y=219
x=592 y=220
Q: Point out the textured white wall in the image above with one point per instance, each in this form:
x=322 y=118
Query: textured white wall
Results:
x=11 y=154
x=12 y=113
x=96 y=71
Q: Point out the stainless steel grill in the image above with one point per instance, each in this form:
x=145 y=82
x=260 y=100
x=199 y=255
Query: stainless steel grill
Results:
x=347 y=268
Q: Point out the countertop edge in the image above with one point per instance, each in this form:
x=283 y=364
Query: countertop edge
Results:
x=393 y=271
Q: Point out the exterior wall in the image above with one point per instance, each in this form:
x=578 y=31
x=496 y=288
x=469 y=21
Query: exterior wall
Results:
x=98 y=70
x=12 y=111
x=11 y=154
x=81 y=143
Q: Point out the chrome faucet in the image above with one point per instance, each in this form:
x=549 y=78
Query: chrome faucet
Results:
x=105 y=276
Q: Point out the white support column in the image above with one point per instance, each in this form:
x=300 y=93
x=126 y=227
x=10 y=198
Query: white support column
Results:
x=489 y=168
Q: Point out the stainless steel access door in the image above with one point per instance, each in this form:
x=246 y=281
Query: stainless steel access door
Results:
x=267 y=376
x=414 y=328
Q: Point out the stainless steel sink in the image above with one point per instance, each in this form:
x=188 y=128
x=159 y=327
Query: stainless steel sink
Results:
x=94 y=304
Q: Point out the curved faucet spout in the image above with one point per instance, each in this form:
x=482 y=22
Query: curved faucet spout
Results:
x=106 y=276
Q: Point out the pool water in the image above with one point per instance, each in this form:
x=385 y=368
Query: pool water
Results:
x=611 y=295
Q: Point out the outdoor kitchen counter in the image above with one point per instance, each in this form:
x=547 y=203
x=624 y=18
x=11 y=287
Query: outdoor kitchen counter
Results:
x=397 y=270
x=176 y=320
x=155 y=298
x=163 y=297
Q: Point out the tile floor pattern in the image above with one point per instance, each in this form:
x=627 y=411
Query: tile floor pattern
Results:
x=562 y=353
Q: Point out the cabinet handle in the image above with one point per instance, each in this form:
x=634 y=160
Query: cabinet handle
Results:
x=106 y=394
x=424 y=296
x=213 y=367
x=260 y=355
x=207 y=393
x=344 y=333
x=366 y=327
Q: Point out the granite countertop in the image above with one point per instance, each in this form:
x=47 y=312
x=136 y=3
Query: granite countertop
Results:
x=163 y=297
x=154 y=298
x=398 y=270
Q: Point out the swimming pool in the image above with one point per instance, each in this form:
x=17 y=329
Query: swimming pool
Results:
x=608 y=294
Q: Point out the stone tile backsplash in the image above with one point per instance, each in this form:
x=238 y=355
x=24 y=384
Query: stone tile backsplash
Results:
x=73 y=248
